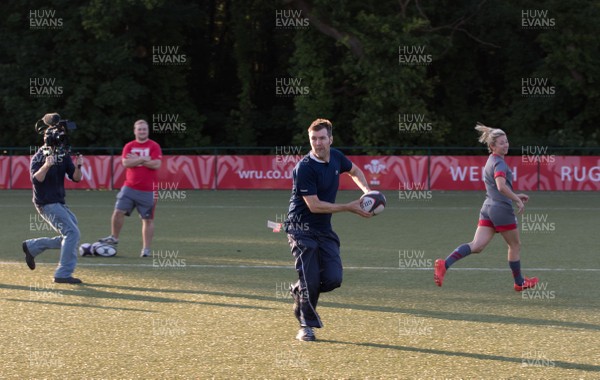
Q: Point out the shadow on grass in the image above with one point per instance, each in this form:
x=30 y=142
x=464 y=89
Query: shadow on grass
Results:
x=194 y=291
x=88 y=290
x=471 y=317
x=430 y=351
x=81 y=305
x=447 y=315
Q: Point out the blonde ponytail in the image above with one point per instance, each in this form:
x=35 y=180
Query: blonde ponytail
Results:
x=488 y=135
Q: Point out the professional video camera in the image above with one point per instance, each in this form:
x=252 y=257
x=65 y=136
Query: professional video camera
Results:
x=55 y=130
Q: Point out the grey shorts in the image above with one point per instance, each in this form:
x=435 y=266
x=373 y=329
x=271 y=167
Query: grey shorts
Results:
x=143 y=201
x=499 y=218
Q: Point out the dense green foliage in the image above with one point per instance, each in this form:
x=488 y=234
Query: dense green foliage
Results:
x=342 y=59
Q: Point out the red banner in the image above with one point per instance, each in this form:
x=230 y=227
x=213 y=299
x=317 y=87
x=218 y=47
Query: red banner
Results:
x=19 y=173
x=389 y=172
x=573 y=173
x=4 y=172
x=180 y=172
x=256 y=172
x=189 y=172
x=275 y=172
x=466 y=173
x=95 y=174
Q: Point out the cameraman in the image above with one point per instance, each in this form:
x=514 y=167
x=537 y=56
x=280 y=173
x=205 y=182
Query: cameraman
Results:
x=48 y=168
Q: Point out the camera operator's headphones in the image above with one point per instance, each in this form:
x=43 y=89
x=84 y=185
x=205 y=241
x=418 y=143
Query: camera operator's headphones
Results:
x=49 y=120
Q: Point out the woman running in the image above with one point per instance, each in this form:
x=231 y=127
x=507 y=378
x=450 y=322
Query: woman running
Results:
x=497 y=213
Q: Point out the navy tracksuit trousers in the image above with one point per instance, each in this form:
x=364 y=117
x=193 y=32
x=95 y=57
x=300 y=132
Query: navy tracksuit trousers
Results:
x=319 y=268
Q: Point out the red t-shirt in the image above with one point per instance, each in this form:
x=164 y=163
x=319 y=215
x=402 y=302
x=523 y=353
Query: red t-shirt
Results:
x=140 y=177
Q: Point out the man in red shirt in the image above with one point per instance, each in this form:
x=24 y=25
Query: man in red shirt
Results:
x=141 y=158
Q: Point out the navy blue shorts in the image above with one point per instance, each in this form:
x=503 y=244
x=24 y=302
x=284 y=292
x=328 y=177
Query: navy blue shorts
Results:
x=143 y=201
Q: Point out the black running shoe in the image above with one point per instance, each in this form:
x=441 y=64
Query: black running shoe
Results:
x=29 y=259
x=67 y=280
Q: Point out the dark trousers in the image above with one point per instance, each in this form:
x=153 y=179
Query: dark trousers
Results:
x=319 y=268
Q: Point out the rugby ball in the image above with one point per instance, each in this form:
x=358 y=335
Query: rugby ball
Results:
x=373 y=202
x=101 y=249
x=85 y=249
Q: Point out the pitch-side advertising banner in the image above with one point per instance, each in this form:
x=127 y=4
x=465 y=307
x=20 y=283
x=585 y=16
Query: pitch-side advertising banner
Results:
x=390 y=172
x=176 y=172
x=466 y=173
x=570 y=173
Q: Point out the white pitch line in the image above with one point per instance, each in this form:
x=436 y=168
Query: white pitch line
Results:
x=228 y=266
